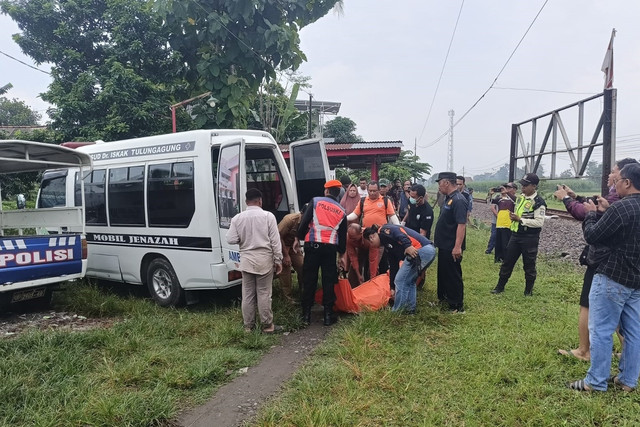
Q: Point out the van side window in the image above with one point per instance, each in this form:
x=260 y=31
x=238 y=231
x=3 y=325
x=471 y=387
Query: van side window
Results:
x=126 y=196
x=94 y=197
x=228 y=184
x=263 y=174
x=170 y=194
x=53 y=191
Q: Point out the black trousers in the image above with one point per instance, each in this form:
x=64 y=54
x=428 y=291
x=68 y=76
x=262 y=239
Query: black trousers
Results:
x=525 y=245
x=319 y=256
x=450 y=285
x=503 y=235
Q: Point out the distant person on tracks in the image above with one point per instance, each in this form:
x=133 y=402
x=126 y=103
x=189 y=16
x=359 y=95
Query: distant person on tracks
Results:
x=592 y=256
x=256 y=231
x=614 y=299
x=527 y=221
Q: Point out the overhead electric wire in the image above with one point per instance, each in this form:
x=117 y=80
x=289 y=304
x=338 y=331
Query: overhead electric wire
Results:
x=544 y=90
x=494 y=80
x=435 y=93
x=24 y=63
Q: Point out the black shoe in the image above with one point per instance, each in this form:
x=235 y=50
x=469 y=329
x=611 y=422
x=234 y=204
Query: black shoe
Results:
x=497 y=291
x=528 y=293
x=487 y=252
x=306 y=316
x=329 y=318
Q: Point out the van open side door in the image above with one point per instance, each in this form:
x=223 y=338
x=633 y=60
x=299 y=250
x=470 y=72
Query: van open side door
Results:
x=309 y=168
x=230 y=190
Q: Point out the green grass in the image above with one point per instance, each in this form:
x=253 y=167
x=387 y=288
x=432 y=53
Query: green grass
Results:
x=149 y=364
x=494 y=365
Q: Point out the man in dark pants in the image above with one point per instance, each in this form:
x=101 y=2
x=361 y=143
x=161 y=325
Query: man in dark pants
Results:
x=323 y=228
x=450 y=241
x=527 y=220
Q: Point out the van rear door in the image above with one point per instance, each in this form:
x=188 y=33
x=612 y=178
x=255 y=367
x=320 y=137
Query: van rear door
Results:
x=309 y=169
x=230 y=189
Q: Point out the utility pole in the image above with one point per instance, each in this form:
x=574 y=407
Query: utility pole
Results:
x=450 y=154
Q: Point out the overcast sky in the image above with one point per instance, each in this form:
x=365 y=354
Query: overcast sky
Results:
x=382 y=61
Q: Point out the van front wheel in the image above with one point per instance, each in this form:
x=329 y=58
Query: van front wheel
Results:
x=163 y=284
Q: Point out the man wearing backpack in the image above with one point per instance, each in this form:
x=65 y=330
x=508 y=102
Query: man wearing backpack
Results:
x=371 y=210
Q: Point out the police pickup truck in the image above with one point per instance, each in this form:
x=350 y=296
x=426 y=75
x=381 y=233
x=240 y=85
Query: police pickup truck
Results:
x=39 y=248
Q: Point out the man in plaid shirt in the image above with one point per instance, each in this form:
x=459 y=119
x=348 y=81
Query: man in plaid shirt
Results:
x=615 y=291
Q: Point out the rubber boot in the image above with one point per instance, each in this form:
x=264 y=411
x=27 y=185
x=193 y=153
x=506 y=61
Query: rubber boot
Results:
x=528 y=290
x=329 y=318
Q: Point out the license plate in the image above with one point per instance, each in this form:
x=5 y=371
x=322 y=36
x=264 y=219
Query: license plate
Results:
x=28 y=294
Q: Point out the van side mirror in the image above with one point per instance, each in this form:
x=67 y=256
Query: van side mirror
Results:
x=21 y=201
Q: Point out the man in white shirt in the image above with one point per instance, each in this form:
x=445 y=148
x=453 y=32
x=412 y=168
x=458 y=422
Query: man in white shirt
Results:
x=256 y=231
x=362 y=189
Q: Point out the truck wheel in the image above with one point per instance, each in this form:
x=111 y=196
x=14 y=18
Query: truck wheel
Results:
x=163 y=283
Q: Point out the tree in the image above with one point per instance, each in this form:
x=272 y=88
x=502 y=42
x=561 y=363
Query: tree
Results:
x=407 y=166
x=274 y=110
x=594 y=170
x=16 y=113
x=4 y=89
x=342 y=129
x=567 y=173
x=231 y=47
x=113 y=73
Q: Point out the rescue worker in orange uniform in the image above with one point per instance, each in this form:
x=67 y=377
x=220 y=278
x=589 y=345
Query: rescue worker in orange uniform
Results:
x=323 y=228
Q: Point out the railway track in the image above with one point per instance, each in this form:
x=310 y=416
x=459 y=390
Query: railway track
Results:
x=550 y=212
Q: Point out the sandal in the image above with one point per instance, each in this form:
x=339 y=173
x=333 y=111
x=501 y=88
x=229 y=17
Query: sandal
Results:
x=579 y=385
x=276 y=330
x=613 y=380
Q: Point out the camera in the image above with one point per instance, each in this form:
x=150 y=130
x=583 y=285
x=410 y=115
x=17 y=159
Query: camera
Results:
x=496 y=189
x=594 y=198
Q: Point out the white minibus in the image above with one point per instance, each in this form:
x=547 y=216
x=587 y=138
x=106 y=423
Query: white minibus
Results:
x=158 y=208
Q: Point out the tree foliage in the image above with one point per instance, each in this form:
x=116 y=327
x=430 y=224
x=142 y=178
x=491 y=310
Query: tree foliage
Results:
x=408 y=166
x=274 y=111
x=231 y=47
x=342 y=129
x=16 y=113
x=113 y=73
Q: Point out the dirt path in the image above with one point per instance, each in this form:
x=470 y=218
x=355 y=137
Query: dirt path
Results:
x=239 y=401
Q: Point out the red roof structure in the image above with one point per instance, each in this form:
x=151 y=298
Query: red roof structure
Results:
x=359 y=155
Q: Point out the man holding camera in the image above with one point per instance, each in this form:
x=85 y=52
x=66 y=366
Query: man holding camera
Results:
x=527 y=220
x=591 y=256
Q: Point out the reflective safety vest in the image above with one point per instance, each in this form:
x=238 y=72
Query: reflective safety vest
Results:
x=327 y=216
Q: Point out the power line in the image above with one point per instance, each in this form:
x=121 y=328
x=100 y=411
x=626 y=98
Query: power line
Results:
x=495 y=79
x=435 y=93
x=544 y=90
x=24 y=63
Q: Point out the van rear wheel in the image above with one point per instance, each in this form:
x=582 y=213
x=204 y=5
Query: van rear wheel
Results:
x=163 y=284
